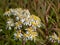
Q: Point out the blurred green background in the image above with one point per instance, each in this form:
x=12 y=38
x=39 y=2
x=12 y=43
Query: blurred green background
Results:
x=47 y=10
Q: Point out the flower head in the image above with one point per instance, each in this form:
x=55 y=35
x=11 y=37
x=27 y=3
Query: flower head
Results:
x=23 y=22
x=54 y=38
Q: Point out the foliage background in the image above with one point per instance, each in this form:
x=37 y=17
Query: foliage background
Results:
x=47 y=10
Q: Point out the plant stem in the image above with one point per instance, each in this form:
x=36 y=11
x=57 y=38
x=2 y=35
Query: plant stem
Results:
x=23 y=41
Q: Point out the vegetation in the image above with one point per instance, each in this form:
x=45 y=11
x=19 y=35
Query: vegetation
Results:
x=47 y=10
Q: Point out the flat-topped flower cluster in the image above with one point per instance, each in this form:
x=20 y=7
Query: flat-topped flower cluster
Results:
x=23 y=22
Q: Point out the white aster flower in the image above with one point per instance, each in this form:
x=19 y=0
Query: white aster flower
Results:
x=18 y=35
x=10 y=22
x=7 y=13
x=22 y=20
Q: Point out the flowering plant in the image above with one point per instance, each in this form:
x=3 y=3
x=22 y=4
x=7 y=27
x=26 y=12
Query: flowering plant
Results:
x=24 y=24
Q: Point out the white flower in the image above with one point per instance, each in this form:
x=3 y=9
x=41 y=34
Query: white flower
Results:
x=19 y=27
x=10 y=22
x=17 y=18
x=18 y=35
x=27 y=32
x=7 y=13
x=13 y=12
x=30 y=38
x=25 y=13
x=22 y=20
